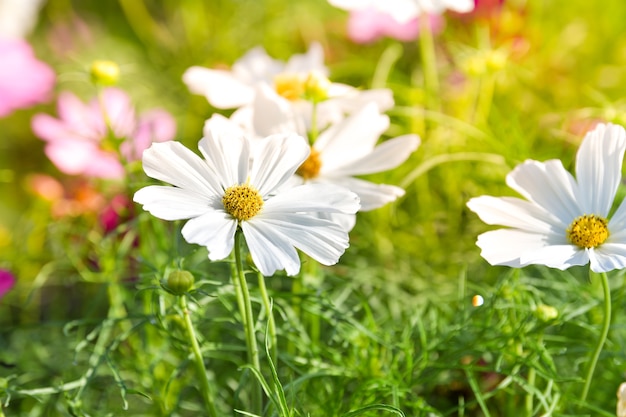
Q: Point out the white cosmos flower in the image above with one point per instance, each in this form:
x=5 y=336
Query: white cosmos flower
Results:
x=563 y=221
x=405 y=10
x=232 y=188
x=235 y=88
x=286 y=83
x=348 y=149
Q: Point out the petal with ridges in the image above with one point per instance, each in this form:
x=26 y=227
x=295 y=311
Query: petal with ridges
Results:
x=215 y=230
x=270 y=251
x=171 y=203
x=517 y=213
x=599 y=168
x=325 y=198
x=548 y=185
x=385 y=156
x=277 y=159
x=173 y=163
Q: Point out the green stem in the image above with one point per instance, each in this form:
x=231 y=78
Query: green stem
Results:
x=314 y=133
x=251 y=345
x=313 y=276
x=530 y=394
x=205 y=387
x=606 y=322
x=271 y=324
x=116 y=312
x=429 y=63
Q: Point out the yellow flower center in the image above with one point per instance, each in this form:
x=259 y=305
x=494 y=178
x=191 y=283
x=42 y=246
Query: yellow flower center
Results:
x=242 y=201
x=313 y=86
x=290 y=86
x=588 y=231
x=311 y=167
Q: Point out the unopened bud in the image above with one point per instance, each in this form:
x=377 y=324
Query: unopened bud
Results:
x=546 y=313
x=104 y=72
x=496 y=60
x=179 y=281
x=316 y=87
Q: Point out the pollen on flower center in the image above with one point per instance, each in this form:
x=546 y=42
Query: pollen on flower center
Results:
x=311 y=167
x=290 y=86
x=588 y=231
x=242 y=201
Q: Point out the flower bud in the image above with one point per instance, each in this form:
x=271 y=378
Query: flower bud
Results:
x=546 y=313
x=179 y=282
x=316 y=87
x=104 y=72
x=496 y=60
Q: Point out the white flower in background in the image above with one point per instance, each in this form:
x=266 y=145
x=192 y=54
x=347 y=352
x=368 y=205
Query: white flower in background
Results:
x=405 y=10
x=564 y=221
x=233 y=188
x=235 y=88
x=348 y=149
x=18 y=17
x=295 y=84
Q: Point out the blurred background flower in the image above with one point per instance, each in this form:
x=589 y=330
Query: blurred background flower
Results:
x=24 y=80
x=370 y=24
x=7 y=281
x=85 y=138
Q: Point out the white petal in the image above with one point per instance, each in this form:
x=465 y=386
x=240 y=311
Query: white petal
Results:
x=217 y=121
x=321 y=239
x=312 y=61
x=345 y=221
x=371 y=195
x=548 y=185
x=173 y=163
x=352 y=99
x=228 y=154
x=351 y=139
x=608 y=257
x=276 y=159
x=269 y=250
x=327 y=198
x=221 y=88
x=599 y=168
x=385 y=156
x=273 y=114
x=556 y=256
x=617 y=223
x=256 y=66
x=215 y=230
x=517 y=213
x=171 y=203
x=512 y=247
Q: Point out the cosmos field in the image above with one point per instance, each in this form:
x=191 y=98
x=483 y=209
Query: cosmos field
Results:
x=312 y=208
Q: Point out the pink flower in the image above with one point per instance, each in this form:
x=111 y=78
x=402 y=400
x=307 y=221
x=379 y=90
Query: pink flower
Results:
x=119 y=209
x=24 y=80
x=7 y=281
x=83 y=139
x=370 y=24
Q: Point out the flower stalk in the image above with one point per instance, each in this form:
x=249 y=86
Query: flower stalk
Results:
x=604 y=332
x=271 y=324
x=205 y=386
x=248 y=323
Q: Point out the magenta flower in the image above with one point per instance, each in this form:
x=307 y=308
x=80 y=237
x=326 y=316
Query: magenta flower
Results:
x=370 y=24
x=7 y=281
x=24 y=80
x=82 y=141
